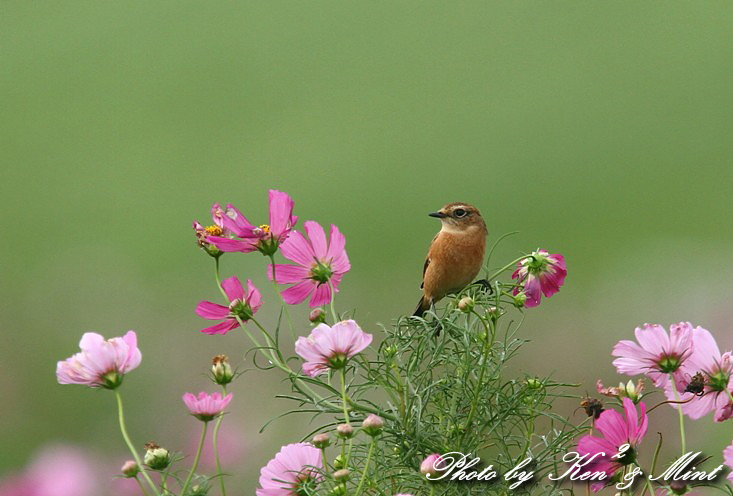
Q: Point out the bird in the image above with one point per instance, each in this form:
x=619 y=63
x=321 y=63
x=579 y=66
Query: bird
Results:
x=456 y=253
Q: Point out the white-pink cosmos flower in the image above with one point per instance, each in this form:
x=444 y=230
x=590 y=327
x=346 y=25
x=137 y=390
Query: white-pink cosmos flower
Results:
x=216 y=229
x=331 y=347
x=716 y=371
x=538 y=274
x=294 y=471
x=100 y=363
x=657 y=355
x=241 y=306
x=320 y=266
x=206 y=406
x=264 y=238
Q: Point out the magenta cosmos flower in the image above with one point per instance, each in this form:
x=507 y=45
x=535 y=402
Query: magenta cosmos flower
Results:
x=331 y=347
x=100 y=363
x=320 y=265
x=728 y=460
x=538 y=274
x=241 y=305
x=617 y=430
x=206 y=406
x=216 y=229
x=657 y=355
x=264 y=238
x=294 y=471
x=714 y=370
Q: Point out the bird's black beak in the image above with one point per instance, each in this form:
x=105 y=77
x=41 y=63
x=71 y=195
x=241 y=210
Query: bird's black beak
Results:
x=439 y=215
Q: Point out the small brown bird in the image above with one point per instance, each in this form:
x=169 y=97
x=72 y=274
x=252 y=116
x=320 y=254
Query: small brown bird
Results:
x=456 y=254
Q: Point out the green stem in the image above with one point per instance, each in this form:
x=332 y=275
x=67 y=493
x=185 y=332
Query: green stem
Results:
x=218 y=278
x=682 y=416
x=507 y=266
x=366 y=466
x=216 y=448
x=123 y=429
x=343 y=395
x=142 y=488
x=282 y=300
x=333 y=308
x=195 y=460
x=482 y=371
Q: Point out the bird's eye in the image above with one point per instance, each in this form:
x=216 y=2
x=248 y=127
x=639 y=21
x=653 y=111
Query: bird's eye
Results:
x=459 y=212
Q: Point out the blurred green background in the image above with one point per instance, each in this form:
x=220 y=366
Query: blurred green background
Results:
x=598 y=130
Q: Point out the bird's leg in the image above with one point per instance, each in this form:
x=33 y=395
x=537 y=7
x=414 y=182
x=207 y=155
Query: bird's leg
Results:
x=486 y=285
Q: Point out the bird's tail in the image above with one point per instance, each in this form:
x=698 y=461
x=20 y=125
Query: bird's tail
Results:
x=422 y=307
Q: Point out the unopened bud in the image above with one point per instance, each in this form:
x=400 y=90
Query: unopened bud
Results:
x=221 y=370
x=341 y=475
x=321 y=440
x=156 y=457
x=339 y=462
x=428 y=465
x=130 y=469
x=533 y=383
x=373 y=424
x=317 y=316
x=345 y=431
x=678 y=487
x=466 y=304
x=339 y=490
x=520 y=299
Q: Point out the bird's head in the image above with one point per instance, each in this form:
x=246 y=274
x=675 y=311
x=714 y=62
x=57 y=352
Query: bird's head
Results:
x=459 y=217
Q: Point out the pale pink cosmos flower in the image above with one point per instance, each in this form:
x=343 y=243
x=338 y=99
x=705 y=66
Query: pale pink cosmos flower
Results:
x=206 y=406
x=264 y=238
x=100 y=363
x=617 y=430
x=293 y=471
x=431 y=465
x=538 y=274
x=330 y=347
x=716 y=369
x=728 y=460
x=320 y=266
x=241 y=305
x=657 y=355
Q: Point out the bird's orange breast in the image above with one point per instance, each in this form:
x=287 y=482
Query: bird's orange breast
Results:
x=455 y=260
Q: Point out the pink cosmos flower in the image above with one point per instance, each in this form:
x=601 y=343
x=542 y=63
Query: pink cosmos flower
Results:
x=431 y=465
x=241 y=305
x=330 y=347
x=617 y=430
x=320 y=265
x=716 y=370
x=728 y=460
x=264 y=238
x=100 y=363
x=216 y=229
x=657 y=355
x=539 y=273
x=293 y=471
x=206 y=406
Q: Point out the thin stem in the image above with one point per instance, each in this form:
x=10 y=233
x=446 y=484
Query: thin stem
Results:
x=366 y=466
x=482 y=371
x=507 y=266
x=343 y=395
x=218 y=278
x=682 y=416
x=334 y=315
x=142 y=488
x=195 y=460
x=215 y=441
x=279 y=293
x=123 y=429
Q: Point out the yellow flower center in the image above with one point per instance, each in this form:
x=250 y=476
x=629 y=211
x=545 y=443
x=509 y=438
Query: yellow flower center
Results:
x=265 y=228
x=213 y=231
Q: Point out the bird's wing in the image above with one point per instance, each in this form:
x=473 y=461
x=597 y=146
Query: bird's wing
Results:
x=424 y=269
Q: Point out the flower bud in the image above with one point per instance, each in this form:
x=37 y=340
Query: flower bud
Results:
x=341 y=475
x=678 y=487
x=221 y=370
x=533 y=383
x=156 y=458
x=321 y=440
x=339 y=463
x=466 y=304
x=428 y=465
x=373 y=425
x=130 y=469
x=317 y=316
x=339 y=490
x=345 y=431
x=520 y=299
